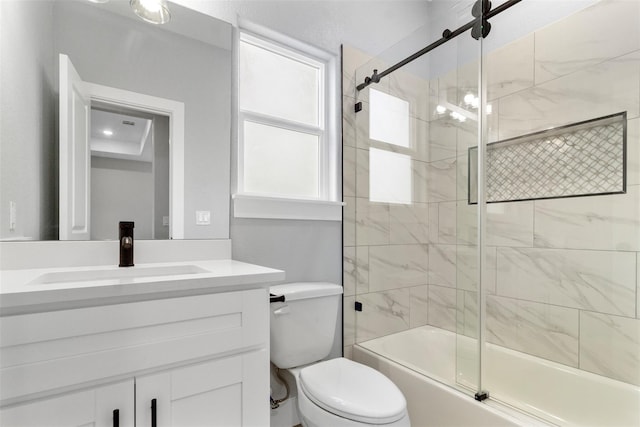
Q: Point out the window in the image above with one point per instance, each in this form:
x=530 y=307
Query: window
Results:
x=389 y=172
x=389 y=118
x=284 y=118
x=389 y=177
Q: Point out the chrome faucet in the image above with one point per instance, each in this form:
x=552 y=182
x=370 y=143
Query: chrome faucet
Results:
x=126 y=243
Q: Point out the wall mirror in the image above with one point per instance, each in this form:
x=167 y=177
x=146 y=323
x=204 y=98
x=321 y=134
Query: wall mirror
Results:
x=116 y=148
x=162 y=91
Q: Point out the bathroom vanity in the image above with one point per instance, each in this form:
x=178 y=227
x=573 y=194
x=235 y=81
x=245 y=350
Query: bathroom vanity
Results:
x=158 y=344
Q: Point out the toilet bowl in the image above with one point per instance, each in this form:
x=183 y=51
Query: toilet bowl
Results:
x=331 y=393
x=343 y=393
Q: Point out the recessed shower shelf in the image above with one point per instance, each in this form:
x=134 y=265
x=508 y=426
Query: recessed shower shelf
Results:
x=580 y=159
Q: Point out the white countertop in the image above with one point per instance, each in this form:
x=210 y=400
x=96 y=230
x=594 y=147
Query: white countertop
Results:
x=44 y=289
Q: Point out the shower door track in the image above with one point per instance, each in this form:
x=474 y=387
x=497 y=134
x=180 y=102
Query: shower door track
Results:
x=446 y=36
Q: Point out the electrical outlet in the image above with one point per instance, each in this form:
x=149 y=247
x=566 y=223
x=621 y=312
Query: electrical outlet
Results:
x=203 y=217
x=165 y=220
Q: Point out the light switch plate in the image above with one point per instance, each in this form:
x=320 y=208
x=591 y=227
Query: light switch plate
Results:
x=203 y=217
x=165 y=220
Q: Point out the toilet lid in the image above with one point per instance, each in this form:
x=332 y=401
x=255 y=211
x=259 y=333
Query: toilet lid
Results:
x=353 y=391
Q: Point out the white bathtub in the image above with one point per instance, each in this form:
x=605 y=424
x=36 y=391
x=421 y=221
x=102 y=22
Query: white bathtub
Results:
x=555 y=393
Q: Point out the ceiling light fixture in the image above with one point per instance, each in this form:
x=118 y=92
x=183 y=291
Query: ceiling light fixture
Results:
x=152 y=11
x=107 y=132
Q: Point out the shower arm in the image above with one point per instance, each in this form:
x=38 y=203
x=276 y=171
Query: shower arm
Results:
x=447 y=35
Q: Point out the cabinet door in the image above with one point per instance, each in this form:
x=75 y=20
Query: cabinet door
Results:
x=224 y=392
x=94 y=407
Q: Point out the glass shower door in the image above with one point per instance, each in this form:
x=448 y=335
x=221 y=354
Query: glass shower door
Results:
x=495 y=212
x=563 y=218
x=391 y=210
x=414 y=247
x=455 y=132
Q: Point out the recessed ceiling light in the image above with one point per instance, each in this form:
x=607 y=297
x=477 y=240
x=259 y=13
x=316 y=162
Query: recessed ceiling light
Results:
x=107 y=132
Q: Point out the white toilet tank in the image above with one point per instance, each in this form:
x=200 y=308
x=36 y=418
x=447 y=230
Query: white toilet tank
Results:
x=303 y=326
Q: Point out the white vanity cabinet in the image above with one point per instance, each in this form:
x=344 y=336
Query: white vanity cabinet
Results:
x=202 y=360
x=223 y=392
x=95 y=407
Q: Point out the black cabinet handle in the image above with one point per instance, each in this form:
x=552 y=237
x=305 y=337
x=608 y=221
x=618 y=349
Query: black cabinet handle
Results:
x=153 y=412
x=116 y=418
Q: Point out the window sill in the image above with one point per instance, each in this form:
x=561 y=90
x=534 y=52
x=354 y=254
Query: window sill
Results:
x=249 y=206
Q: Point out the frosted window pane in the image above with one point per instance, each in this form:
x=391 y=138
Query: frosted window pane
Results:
x=278 y=86
x=280 y=161
x=388 y=118
x=389 y=177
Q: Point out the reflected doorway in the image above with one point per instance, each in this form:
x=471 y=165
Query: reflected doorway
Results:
x=129 y=172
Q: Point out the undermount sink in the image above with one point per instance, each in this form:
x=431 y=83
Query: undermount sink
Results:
x=115 y=274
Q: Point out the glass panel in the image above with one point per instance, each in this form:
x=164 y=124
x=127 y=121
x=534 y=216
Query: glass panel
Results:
x=280 y=161
x=389 y=177
x=552 y=286
x=462 y=100
x=563 y=326
x=279 y=86
x=389 y=119
x=412 y=255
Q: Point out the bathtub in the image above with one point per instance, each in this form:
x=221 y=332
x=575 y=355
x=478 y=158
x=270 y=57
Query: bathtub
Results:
x=436 y=369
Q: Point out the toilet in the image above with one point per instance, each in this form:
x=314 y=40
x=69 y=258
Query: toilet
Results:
x=331 y=393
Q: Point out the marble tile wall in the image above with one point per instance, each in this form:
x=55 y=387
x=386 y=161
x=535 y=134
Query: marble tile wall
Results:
x=562 y=275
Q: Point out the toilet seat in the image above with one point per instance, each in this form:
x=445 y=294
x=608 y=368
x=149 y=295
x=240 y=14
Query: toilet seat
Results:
x=353 y=391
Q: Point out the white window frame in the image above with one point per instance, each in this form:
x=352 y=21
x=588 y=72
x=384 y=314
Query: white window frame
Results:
x=327 y=205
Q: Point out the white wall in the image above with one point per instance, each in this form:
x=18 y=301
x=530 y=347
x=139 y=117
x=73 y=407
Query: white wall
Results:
x=121 y=190
x=306 y=250
x=311 y=250
x=28 y=148
x=372 y=26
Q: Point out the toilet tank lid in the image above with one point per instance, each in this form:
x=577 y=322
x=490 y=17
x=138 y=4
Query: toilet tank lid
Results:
x=305 y=290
